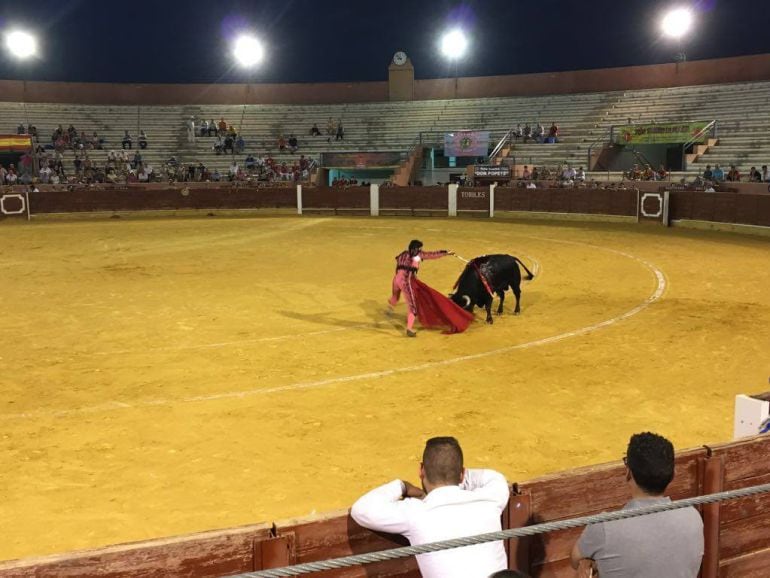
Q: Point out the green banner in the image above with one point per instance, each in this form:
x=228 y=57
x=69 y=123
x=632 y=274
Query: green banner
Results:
x=671 y=132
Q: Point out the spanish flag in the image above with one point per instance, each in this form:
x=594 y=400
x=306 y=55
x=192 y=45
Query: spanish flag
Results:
x=15 y=142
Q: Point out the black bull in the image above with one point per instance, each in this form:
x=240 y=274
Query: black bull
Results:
x=488 y=275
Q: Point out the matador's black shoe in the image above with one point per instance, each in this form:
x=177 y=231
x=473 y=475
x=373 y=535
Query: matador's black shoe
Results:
x=410 y=333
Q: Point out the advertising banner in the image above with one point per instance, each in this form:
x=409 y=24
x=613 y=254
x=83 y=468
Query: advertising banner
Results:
x=469 y=143
x=492 y=171
x=666 y=133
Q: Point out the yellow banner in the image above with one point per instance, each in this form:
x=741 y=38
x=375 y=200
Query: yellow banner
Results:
x=15 y=142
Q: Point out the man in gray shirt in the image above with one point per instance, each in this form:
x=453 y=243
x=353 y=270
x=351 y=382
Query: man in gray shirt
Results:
x=666 y=544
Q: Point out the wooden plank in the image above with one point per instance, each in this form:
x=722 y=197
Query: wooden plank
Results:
x=743 y=457
x=754 y=565
x=210 y=554
x=744 y=536
x=599 y=488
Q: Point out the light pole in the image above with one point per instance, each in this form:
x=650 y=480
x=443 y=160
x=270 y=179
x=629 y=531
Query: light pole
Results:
x=676 y=23
x=248 y=53
x=22 y=46
x=454 y=44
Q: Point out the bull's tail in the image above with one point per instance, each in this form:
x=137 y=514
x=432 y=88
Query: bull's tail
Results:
x=530 y=274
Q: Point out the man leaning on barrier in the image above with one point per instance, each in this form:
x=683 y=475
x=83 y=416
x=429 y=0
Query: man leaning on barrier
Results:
x=453 y=502
x=667 y=543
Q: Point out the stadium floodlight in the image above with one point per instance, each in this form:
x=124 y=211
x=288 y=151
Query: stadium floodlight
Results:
x=454 y=44
x=21 y=44
x=677 y=22
x=248 y=50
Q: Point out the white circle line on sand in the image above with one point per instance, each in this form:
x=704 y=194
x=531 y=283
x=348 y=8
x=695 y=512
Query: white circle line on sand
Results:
x=117 y=405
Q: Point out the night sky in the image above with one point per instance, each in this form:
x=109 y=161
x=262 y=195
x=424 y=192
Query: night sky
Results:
x=336 y=40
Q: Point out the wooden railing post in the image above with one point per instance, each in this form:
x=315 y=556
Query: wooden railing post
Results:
x=713 y=481
x=519 y=514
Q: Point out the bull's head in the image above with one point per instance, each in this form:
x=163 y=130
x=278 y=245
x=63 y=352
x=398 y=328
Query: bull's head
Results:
x=463 y=301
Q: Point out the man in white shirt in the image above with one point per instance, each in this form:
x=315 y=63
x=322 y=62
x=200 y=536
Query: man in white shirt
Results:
x=453 y=502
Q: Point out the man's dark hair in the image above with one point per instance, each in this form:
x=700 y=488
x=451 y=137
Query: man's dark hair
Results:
x=650 y=458
x=443 y=460
x=509 y=574
x=415 y=245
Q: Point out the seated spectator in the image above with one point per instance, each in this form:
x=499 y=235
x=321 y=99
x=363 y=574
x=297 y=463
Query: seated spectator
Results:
x=126 y=142
x=281 y=143
x=568 y=174
x=78 y=162
x=222 y=126
x=229 y=144
x=137 y=160
x=527 y=132
x=231 y=132
x=331 y=128
x=717 y=175
x=580 y=175
x=32 y=130
x=664 y=544
x=765 y=174
x=10 y=176
x=172 y=162
x=452 y=502
x=219 y=145
x=539 y=132
x=340 y=131
x=518 y=132
x=249 y=162
x=142 y=140
x=304 y=164
x=526 y=175
x=553 y=132
x=204 y=128
x=708 y=174
x=240 y=144
x=315 y=130
x=535 y=174
x=755 y=176
x=663 y=173
x=215 y=176
x=212 y=127
x=20 y=129
x=648 y=174
x=293 y=144
x=733 y=175
x=233 y=171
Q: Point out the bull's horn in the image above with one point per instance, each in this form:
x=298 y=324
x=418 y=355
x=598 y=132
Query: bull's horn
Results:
x=467 y=300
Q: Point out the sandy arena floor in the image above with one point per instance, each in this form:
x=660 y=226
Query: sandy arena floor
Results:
x=168 y=376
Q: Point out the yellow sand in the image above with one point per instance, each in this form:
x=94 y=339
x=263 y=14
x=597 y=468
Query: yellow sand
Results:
x=167 y=376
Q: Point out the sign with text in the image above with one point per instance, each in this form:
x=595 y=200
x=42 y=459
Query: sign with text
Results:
x=666 y=133
x=467 y=143
x=492 y=171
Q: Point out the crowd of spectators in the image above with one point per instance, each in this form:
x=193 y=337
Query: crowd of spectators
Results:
x=453 y=501
x=536 y=133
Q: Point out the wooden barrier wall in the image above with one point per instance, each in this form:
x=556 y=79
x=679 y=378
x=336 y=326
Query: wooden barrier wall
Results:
x=735 y=208
x=737 y=533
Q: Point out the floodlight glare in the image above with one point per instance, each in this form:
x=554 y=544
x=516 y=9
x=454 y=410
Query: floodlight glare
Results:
x=21 y=44
x=454 y=44
x=248 y=50
x=677 y=23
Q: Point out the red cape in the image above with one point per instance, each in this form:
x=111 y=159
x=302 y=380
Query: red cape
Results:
x=436 y=310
